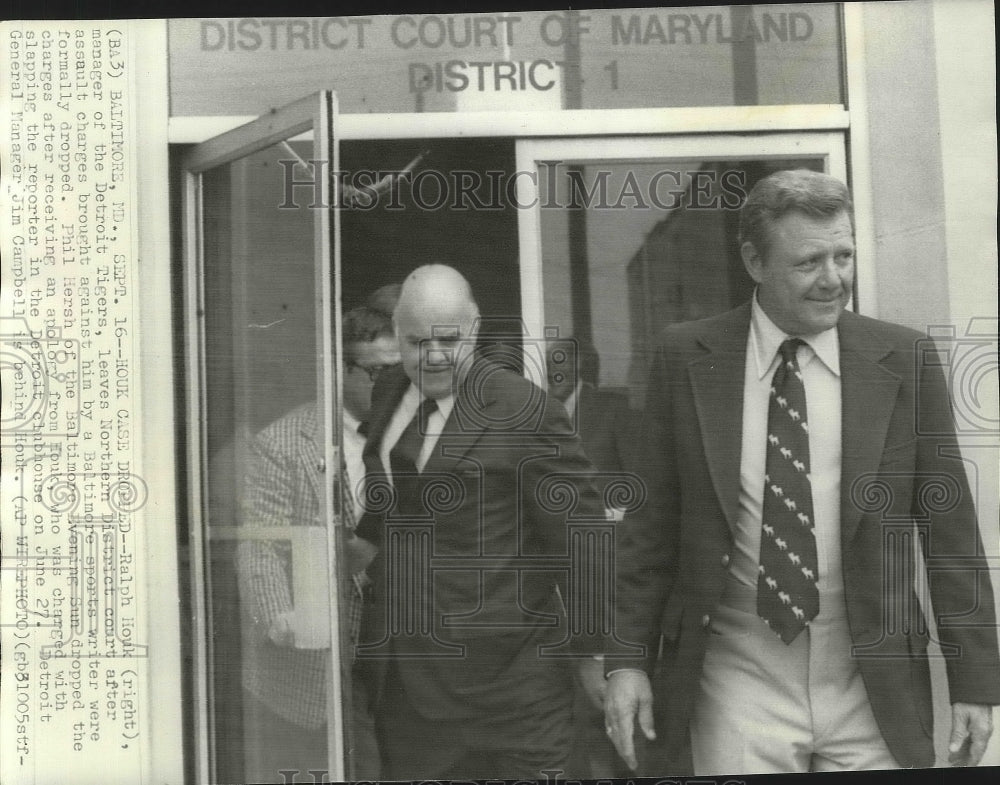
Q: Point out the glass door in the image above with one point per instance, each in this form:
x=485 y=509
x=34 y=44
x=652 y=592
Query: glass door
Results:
x=621 y=236
x=270 y=667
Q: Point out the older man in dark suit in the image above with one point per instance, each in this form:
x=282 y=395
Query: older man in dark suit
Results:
x=463 y=605
x=796 y=443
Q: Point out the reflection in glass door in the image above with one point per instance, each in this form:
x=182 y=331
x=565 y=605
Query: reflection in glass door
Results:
x=625 y=236
x=263 y=298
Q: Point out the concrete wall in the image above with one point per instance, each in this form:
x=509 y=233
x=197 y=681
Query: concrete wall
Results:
x=930 y=114
x=965 y=59
x=906 y=172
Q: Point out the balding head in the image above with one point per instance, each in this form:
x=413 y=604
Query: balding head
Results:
x=436 y=321
x=438 y=290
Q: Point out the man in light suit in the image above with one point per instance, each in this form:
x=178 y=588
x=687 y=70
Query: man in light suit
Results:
x=461 y=685
x=285 y=685
x=796 y=443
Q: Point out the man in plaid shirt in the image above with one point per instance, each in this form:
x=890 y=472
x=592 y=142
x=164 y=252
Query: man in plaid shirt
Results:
x=287 y=686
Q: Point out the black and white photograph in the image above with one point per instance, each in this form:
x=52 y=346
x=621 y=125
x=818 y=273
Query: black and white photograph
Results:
x=544 y=394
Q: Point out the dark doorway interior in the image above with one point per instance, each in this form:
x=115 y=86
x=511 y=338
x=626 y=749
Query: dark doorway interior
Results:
x=429 y=219
x=258 y=287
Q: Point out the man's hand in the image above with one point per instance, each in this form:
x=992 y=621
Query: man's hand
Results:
x=282 y=630
x=359 y=553
x=628 y=695
x=971 y=728
x=592 y=678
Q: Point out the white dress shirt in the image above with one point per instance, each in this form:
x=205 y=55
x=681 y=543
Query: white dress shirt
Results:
x=354 y=446
x=819 y=362
x=404 y=413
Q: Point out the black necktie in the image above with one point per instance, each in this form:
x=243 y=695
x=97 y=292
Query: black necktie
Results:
x=403 y=459
x=787 y=597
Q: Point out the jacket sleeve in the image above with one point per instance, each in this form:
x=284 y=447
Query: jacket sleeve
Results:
x=553 y=476
x=958 y=572
x=647 y=545
x=262 y=565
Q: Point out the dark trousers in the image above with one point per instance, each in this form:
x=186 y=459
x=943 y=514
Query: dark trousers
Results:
x=514 y=744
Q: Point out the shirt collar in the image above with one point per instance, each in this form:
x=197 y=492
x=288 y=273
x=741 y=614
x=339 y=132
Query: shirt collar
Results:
x=766 y=337
x=412 y=398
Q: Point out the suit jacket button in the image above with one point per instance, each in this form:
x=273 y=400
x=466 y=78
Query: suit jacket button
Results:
x=725 y=560
x=706 y=620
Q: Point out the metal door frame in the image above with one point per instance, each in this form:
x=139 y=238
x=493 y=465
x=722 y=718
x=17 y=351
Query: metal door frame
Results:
x=316 y=113
x=531 y=153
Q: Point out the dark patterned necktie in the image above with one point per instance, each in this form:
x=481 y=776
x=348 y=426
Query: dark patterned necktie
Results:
x=787 y=596
x=403 y=460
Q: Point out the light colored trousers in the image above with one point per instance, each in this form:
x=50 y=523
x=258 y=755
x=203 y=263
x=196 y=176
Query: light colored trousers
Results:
x=769 y=707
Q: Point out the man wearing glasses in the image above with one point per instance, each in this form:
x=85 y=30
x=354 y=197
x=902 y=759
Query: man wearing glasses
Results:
x=370 y=347
x=284 y=682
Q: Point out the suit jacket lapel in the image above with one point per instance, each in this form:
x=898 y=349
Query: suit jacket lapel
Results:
x=310 y=453
x=717 y=385
x=459 y=433
x=462 y=429
x=868 y=395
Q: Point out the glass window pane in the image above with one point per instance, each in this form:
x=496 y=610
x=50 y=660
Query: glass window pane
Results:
x=637 y=245
x=267 y=484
